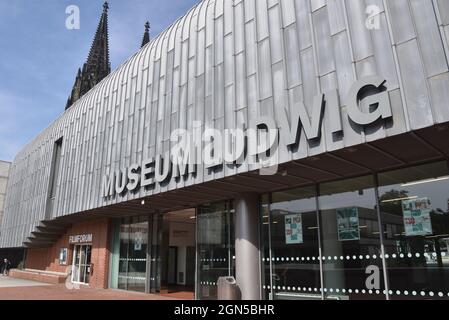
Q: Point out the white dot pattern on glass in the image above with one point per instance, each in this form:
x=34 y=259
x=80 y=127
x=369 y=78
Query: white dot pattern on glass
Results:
x=214 y=260
x=207 y=283
x=355 y=291
x=342 y=258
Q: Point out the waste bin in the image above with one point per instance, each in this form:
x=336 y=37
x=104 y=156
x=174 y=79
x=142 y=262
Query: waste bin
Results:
x=227 y=289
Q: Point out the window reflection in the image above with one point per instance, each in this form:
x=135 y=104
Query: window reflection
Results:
x=351 y=240
x=415 y=214
x=294 y=249
x=413 y=206
x=215 y=249
x=265 y=246
x=133 y=254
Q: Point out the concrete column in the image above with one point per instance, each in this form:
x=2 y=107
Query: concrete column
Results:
x=247 y=246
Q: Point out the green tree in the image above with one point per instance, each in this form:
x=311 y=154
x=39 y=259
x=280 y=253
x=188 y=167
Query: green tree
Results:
x=393 y=207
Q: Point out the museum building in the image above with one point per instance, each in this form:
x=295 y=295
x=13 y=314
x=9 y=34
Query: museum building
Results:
x=298 y=146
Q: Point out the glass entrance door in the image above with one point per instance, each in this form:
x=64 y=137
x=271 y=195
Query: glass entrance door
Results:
x=133 y=254
x=172 y=253
x=81 y=264
x=128 y=258
x=215 y=247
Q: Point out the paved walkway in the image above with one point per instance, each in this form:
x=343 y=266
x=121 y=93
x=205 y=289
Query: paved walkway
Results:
x=18 y=289
x=8 y=282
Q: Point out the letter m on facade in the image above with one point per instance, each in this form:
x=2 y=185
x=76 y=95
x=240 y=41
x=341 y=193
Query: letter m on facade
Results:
x=108 y=185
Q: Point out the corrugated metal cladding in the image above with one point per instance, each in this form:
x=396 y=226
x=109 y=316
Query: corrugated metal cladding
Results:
x=224 y=63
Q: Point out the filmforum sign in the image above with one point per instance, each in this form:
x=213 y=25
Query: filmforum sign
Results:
x=367 y=102
x=81 y=238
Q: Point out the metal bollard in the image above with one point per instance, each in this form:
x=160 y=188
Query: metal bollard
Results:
x=227 y=289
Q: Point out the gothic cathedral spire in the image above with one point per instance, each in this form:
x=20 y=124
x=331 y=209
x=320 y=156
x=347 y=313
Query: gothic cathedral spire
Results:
x=146 y=35
x=97 y=66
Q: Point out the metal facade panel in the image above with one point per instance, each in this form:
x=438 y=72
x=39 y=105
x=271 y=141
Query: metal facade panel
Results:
x=225 y=63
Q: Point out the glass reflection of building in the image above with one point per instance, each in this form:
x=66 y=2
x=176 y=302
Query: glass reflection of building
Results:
x=378 y=257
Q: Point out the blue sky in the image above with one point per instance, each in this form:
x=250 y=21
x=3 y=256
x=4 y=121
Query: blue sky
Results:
x=39 y=57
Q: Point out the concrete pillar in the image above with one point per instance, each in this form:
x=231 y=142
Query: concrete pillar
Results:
x=247 y=246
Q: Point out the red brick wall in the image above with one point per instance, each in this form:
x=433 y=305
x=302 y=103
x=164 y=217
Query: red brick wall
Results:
x=48 y=259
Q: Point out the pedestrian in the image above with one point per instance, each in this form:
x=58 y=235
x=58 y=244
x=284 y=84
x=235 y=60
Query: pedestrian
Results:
x=6 y=266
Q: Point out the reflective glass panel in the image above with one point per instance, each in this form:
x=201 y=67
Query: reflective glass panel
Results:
x=133 y=254
x=265 y=247
x=352 y=264
x=295 y=245
x=414 y=206
x=215 y=245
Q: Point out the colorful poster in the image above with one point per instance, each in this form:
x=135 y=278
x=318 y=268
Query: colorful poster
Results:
x=293 y=229
x=417 y=220
x=348 y=224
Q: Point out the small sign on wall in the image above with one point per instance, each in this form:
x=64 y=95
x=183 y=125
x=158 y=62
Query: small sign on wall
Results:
x=63 y=256
x=81 y=238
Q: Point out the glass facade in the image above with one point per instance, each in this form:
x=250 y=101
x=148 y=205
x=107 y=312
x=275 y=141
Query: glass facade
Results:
x=376 y=237
x=157 y=273
x=172 y=253
x=414 y=204
x=129 y=254
x=290 y=227
x=384 y=236
x=165 y=253
x=215 y=247
x=351 y=244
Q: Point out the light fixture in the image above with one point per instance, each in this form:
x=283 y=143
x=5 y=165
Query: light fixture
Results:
x=193 y=217
x=438 y=236
x=424 y=181
x=399 y=199
x=143 y=202
x=312 y=228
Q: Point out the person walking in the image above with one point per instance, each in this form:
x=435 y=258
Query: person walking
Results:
x=6 y=266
